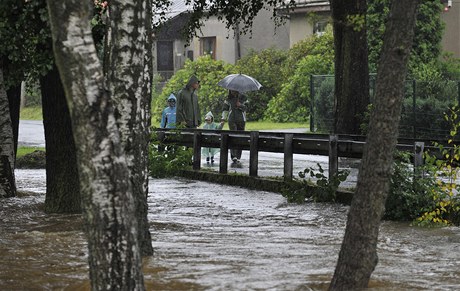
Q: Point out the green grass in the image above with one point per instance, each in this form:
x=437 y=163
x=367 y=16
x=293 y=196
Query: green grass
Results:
x=267 y=125
x=27 y=150
x=31 y=113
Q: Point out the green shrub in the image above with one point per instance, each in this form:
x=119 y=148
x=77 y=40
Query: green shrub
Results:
x=314 y=55
x=410 y=196
x=321 y=189
x=166 y=161
x=292 y=104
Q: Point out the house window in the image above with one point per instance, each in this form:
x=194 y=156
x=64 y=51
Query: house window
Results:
x=208 y=46
x=319 y=27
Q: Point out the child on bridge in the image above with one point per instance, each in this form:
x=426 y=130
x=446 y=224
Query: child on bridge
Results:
x=210 y=124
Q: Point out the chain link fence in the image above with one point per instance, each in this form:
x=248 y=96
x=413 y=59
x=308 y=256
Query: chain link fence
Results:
x=423 y=112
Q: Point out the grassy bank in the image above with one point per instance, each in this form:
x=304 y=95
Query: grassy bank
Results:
x=35 y=113
x=22 y=150
x=31 y=113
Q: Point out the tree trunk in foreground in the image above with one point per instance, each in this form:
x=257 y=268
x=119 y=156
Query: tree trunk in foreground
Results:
x=7 y=153
x=62 y=183
x=108 y=204
x=358 y=255
x=14 y=99
x=128 y=70
x=351 y=95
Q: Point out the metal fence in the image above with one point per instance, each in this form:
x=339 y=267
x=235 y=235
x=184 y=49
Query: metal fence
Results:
x=422 y=115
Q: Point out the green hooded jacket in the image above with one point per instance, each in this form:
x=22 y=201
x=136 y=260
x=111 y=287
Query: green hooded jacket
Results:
x=187 y=108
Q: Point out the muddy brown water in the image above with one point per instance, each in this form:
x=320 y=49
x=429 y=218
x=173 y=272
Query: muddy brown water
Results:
x=214 y=237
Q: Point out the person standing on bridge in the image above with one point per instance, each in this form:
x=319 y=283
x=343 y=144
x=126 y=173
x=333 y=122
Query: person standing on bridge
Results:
x=210 y=124
x=168 y=116
x=234 y=110
x=188 y=110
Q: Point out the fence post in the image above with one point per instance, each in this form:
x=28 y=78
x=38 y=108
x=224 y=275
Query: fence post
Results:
x=254 y=154
x=419 y=148
x=312 y=106
x=196 y=150
x=333 y=156
x=288 y=156
x=223 y=162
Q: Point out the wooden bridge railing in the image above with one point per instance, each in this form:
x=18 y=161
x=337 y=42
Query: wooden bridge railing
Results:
x=333 y=146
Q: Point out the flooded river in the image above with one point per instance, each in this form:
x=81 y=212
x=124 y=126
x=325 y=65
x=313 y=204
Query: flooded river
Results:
x=213 y=237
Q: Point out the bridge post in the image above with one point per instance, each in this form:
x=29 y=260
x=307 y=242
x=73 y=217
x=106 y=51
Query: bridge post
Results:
x=196 y=150
x=333 y=156
x=419 y=148
x=288 y=156
x=254 y=154
x=223 y=161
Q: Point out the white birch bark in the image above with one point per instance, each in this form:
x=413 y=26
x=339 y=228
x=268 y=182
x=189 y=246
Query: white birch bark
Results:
x=7 y=152
x=108 y=204
x=129 y=82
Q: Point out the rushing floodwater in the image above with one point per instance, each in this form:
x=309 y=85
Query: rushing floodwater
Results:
x=213 y=237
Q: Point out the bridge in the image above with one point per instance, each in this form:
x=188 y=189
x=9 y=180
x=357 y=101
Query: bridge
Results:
x=332 y=146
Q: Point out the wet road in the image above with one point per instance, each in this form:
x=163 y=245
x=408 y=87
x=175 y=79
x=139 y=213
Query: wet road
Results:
x=215 y=237
x=31 y=133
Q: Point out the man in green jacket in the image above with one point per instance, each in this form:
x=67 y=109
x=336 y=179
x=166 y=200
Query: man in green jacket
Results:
x=187 y=110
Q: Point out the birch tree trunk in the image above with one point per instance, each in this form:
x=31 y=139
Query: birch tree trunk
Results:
x=7 y=150
x=351 y=95
x=128 y=70
x=358 y=254
x=108 y=204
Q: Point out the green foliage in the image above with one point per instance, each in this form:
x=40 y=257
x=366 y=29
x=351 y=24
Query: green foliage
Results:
x=26 y=40
x=166 y=161
x=314 y=45
x=324 y=191
x=314 y=55
x=357 y=21
x=292 y=104
x=447 y=204
x=31 y=113
x=409 y=196
x=265 y=66
x=434 y=96
x=449 y=66
x=210 y=95
x=428 y=31
x=23 y=150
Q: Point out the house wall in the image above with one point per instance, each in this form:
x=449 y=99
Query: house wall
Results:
x=265 y=34
x=451 y=38
x=300 y=28
x=225 y=42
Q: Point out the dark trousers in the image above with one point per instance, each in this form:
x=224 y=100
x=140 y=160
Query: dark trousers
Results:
x=236 y=126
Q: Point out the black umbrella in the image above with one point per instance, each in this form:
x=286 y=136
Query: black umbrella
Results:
x=240 y=82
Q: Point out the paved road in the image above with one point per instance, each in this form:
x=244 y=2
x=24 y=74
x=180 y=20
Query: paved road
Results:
x=31 y=133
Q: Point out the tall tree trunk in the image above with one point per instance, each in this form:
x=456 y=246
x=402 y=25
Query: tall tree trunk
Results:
x=7 y=153
x=128 y=70
x=358 y=255
x=14 y=99
x=108 y=204
x=62 y=183
x=351 y=96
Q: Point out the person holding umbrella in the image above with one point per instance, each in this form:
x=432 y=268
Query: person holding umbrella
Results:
x=234 y=112
x=188 y=111
x=234 y=108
